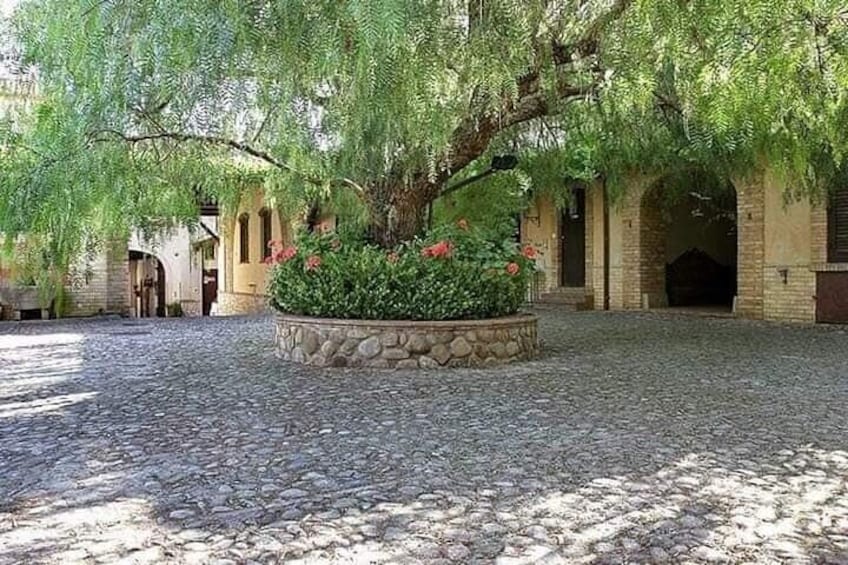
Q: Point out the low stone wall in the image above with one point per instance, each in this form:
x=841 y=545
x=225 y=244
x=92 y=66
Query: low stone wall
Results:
x=406 y=344
x=235 y=303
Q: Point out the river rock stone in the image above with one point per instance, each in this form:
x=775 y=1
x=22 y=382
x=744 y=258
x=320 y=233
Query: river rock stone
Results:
x=459 y=347
x=369 y=347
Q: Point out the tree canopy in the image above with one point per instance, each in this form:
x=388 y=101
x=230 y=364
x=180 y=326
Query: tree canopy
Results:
x=145 y=103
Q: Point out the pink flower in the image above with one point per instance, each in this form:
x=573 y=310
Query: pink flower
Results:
x=323 y=227
x=462 y=224
x=512 y=269
x=284 y=254
x=313 y=262
x=529 y=252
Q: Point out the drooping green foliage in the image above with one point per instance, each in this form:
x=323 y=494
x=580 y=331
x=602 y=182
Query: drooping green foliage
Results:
x=385 y=102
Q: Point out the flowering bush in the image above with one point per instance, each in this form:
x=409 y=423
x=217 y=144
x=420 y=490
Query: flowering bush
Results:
x=454 y=273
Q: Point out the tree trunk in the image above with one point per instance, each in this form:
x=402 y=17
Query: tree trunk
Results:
x=398 y=212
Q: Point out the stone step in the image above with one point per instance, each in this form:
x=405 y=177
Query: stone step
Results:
x=577 y=298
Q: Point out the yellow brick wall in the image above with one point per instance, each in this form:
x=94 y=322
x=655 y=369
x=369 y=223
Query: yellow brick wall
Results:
x=792 y=301
x=750 y=223
x=789 y=283
x=596 y=245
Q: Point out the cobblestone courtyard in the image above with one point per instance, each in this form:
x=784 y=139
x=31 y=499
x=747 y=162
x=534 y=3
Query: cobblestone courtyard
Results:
x=636 y=438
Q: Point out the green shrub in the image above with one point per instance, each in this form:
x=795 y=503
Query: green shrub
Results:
x=453 y=273
x=175 y=310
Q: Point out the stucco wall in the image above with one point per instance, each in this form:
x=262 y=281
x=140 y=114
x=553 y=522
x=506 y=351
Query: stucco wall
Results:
x=183 y=266
x=788 y=279
x=246 y=283
x=540 y=228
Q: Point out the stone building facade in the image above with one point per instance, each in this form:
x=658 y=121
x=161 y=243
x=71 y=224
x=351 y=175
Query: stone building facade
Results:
x=780 y=250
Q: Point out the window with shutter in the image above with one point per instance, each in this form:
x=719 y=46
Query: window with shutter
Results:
x=244 y=238
x=837 y=227
x=267 y=236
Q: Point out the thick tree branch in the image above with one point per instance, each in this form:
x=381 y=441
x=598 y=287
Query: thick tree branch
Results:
x=474 y=134
x=232 y=144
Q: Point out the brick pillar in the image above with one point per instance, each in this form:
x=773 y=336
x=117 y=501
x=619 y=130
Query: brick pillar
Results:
x=118 y=279
x=630 y=249
x=643 y=246
x=226 y=246
x=750 y=219
x=818 y=233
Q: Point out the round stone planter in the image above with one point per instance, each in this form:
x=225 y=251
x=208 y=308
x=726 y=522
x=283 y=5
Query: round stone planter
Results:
x=406 y=344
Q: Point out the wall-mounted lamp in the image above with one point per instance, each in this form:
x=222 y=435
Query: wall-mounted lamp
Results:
x=784 y=275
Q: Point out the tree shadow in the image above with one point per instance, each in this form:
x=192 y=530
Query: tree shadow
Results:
x=634 y=439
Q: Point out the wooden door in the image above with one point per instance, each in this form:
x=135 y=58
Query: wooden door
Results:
x=832 y=297
x=573 y=242
x=161 y=306
x=210 y=289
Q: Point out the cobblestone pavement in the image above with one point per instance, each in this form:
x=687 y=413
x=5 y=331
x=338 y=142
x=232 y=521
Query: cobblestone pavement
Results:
x=635 y=438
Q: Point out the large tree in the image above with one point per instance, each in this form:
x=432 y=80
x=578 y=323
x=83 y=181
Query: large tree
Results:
x=390 y=101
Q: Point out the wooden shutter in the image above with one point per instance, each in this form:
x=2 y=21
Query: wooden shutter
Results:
x=265 y=217
x=244 y=238
x=837 y=227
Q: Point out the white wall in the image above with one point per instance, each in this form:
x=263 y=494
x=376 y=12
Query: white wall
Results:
x=183 y=264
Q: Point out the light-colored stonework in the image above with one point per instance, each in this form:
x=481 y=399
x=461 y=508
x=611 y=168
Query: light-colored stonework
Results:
x=406 y=344
x=237 y=303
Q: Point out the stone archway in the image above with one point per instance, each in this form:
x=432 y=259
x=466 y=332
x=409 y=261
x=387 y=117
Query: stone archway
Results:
x=687 y=242
x=147 y=280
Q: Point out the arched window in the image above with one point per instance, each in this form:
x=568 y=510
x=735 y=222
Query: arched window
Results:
x=244 y=238
x=837 y=224
x=267 y=234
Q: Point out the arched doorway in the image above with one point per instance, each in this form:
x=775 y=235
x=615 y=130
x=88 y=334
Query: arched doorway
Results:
x=147 y=283
x=688 y=241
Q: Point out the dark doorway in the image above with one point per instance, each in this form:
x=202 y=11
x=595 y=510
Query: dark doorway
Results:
x=210 y=289
x=161 y=309
x=701 y=247
x=832 y=297
x=573 y=241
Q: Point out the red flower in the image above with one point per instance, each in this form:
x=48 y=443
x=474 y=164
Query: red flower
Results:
x=440 y=249
x=392 y=257
x=462 y=224
x=512 y=268
x=529 y=252
x=313 y=262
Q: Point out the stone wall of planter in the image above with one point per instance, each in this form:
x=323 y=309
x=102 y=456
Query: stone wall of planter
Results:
x=406 y=344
